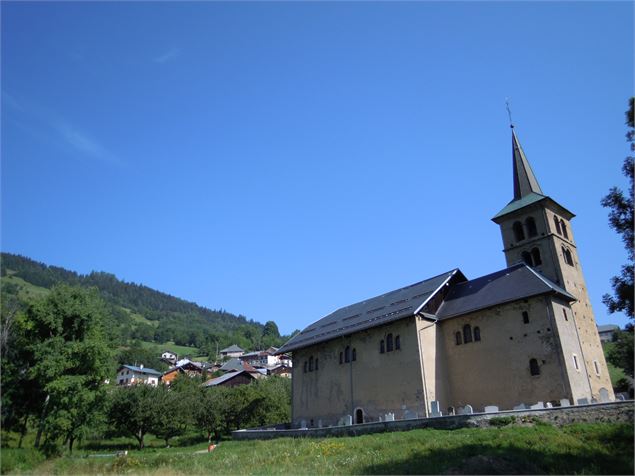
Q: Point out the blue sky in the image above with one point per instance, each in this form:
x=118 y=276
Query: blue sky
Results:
x=284 y=159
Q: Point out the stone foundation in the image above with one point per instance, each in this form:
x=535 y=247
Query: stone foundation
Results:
x=593 y=413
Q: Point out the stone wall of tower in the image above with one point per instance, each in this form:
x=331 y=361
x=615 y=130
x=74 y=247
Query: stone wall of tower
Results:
x=571 y=278
x=559 y=262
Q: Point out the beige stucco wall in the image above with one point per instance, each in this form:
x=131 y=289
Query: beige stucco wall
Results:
x=377 y=383
x=495 y=371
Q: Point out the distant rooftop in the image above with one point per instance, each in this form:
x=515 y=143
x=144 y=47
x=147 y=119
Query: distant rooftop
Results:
x=141 y=370
x=232 y=348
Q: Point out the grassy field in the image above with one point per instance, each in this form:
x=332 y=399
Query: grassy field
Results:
x=180 y=350
x=601 y=448
x=27 y=291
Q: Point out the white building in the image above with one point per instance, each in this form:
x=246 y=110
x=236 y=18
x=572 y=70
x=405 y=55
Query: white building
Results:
x=131 y=374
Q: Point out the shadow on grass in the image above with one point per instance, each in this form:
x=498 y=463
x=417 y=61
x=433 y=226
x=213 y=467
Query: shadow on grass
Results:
x=489 y=459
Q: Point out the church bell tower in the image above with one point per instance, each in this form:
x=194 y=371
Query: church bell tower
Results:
x=537 y=230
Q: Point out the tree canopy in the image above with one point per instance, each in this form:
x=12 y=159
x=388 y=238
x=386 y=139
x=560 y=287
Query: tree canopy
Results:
x=621 y=220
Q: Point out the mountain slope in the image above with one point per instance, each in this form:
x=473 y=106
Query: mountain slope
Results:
x=140 y=312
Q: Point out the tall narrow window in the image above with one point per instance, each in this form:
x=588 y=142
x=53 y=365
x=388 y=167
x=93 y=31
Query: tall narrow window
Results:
x=556 y=222
x=477 y=334
x=526 y=255
x=564 y=229
x=458 y=338
x=566 y=253
x=382 y=347
x=354 y=355
x=575 y=362
x=535 y=256
x=311 y=364
x=467 y=333
x=525 y=317
x=389 y=343
x=519 y=234
x=564 y=313
x=532 y=230
x=597 y=367
x=397 y=343
x=347 y=354
x=534 y=368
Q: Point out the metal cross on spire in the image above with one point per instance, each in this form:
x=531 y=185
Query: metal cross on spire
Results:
x=509 y=113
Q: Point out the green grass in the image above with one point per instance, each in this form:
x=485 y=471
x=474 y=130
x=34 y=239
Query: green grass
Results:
x=27 y=291
x=180 y=350
x=616 y=373
x=138 y=318
x=600 y=448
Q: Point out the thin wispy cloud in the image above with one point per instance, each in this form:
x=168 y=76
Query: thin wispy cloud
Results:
x=47 y=126
x=83 y=143
x=169 y=55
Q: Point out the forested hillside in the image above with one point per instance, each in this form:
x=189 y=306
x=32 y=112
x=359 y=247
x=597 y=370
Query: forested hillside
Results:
x=139 y=313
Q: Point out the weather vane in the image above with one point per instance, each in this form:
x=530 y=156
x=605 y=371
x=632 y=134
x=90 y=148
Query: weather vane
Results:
x=509 y=113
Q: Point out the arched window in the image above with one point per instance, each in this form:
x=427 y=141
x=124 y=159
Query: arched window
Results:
x=530 y=223
x=556 y=222
x=306 y=364
x=525 y=317
x=564 y=229
x=459 y=340
x=382 y=347
x=354 y=355
x=311 y=364
x=316 y=363
x=347 y=354
x=389 y=343
x=397 y=343
x=535 y=256
x=359 y=416
x=467 y=333
x=477 y=334
x=519 y=234
x=534 y=369
x=341 y=357
x=526 y=255
x=566 y=254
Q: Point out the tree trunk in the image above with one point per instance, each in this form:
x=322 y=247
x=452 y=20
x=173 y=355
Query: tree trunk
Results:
x=209 y=437
x=41 y=425
x=139 y=437
x=23 y=430
x=71 y=440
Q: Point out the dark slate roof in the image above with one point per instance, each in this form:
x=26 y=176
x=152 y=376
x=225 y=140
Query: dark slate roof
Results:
x=232 y=348
x=608 y=327
x=144 y=370
x=510 y=284
x=372 y=312
x=525 y=181
x=236 y=364
x=224 y=378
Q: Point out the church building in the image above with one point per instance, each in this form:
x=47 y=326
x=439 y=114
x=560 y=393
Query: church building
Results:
x=524 y=334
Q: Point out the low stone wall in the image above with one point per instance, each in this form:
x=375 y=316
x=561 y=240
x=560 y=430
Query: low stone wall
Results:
x=592 y=413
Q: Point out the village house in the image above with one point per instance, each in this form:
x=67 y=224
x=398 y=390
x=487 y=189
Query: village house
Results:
x=523 y=335
x=607 y=332
x=237 y=365
x=169 y=357
x=232 y=351
x=131 y=374
x=231 y=379
x=182 y=367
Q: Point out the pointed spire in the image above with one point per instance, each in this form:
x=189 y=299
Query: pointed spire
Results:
x=524 y=179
